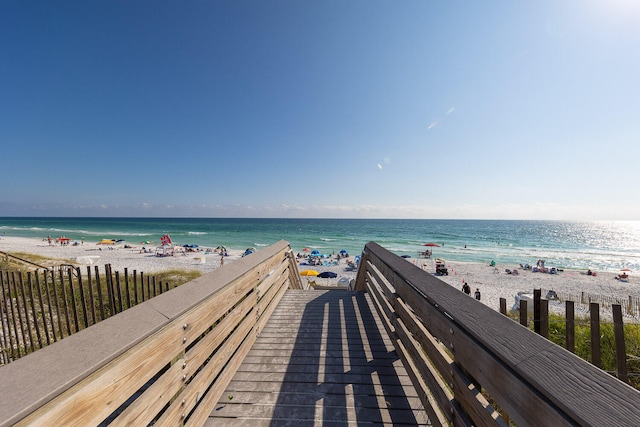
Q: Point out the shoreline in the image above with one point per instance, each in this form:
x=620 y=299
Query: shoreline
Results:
x=493 y=283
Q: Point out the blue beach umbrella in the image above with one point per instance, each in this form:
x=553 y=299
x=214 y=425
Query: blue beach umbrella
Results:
x=249 y=251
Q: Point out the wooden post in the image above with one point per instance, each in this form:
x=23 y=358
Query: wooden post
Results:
x=92 y=297
x=83 y=301
x=58 y=311
x=99 y=288
x=621 y=351
x=126 y=287
x=26 y=312
x=32 y=301
x=48 y=293
x=64 y=301
x=119 y=290
x=537 y=294
x=594 y=310
x=570 y=328
x=73 y=299
x=110 y=290
x=44 y=317
x=544 y=318
x=6 y=326
x=524 y=315
x=503 y=306
x=630 y=309
x=13 y=312
x=135 y=287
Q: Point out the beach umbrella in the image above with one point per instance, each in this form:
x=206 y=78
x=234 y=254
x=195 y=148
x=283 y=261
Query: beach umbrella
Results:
x=328 y=275
x=309 y=273
x=315 y=252
x=305 y=249
x=222 y=248
x=249 y=251
x=106 y=242
x=432 y=244
x=626 y=269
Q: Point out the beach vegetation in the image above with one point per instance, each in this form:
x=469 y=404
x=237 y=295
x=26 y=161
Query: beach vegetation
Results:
x=177 y=277
x=582 y=340
x=23 y=261
x=54 y=304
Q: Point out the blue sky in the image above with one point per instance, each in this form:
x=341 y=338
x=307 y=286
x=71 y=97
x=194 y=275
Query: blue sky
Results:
x=412 y=109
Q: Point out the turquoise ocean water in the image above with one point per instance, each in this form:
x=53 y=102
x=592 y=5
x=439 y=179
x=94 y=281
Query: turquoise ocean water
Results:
x=600 y=245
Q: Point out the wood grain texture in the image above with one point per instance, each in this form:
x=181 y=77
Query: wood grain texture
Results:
x=538 y=382
x=322 y=358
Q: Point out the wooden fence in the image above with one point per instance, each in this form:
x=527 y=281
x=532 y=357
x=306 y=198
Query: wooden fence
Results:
x=629 y=305
x=166 y=361
x=44 y=306
x=541 y=322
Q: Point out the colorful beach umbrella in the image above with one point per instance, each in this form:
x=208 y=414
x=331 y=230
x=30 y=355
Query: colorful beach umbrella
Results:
x=309 y=273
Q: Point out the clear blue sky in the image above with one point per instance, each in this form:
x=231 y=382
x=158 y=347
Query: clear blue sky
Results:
x=410 y=109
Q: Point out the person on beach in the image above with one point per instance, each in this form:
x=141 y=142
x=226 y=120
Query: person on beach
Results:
x=477 y=294
x=466 y=288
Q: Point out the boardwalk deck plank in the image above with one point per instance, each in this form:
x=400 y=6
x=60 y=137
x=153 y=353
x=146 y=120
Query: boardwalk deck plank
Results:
x=322 y=359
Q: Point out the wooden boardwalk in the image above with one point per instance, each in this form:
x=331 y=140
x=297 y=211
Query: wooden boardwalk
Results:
x=323 y=359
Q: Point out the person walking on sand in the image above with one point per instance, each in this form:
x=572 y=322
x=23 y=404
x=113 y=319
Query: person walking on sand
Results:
x=477 y=294
x=466 y=288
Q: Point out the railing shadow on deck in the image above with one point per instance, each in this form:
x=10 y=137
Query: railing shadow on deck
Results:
x=347 y=390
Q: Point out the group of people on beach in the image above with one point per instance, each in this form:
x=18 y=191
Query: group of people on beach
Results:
x=467 y=290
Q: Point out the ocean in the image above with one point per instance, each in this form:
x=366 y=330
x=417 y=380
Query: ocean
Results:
x=599 y=245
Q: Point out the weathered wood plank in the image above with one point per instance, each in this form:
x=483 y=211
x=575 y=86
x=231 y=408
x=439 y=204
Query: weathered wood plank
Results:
x=102 y=366
x=510 y=362
x=323 y=357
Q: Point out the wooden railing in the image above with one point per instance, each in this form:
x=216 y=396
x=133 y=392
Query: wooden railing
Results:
x=462 y=356
x=165 y=361
x=168 y=360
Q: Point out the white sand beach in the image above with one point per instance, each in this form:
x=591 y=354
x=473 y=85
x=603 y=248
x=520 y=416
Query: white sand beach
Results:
x=493 y=283
x=120 y=257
